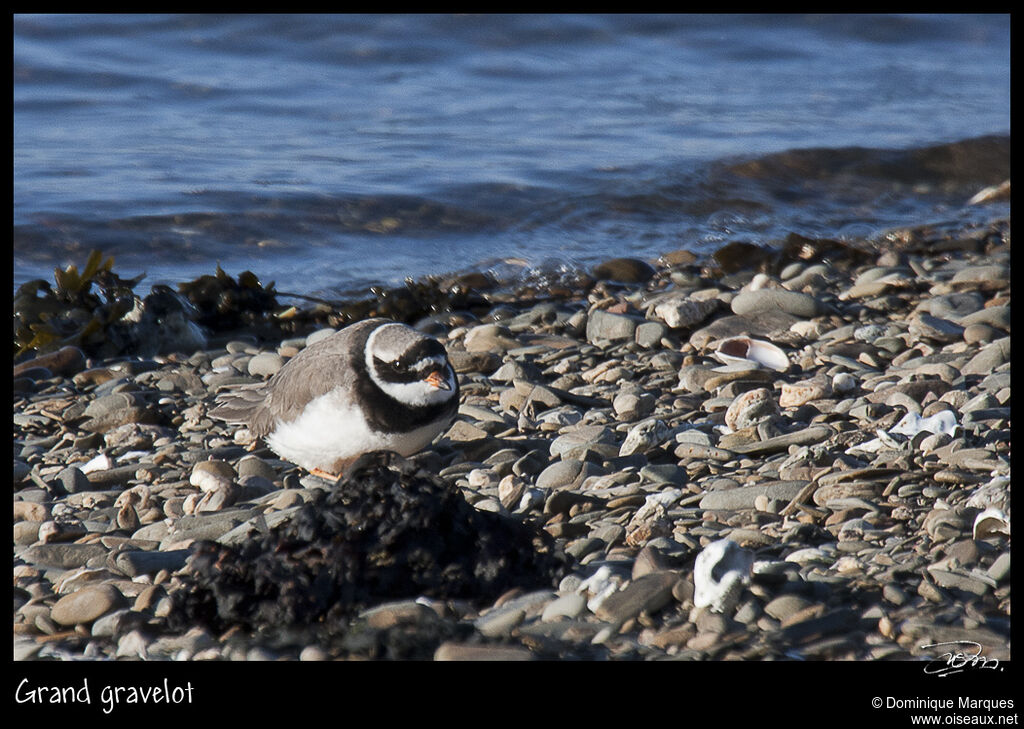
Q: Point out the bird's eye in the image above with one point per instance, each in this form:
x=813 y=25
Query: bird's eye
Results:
x=395 y=364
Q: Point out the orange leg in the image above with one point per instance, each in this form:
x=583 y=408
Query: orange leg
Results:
x=339 y=469
x=325 y=475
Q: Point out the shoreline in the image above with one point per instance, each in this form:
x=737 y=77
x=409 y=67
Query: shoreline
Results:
x=600 y=417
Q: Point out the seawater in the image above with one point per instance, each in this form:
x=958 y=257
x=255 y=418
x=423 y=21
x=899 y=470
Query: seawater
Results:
x=331 y=153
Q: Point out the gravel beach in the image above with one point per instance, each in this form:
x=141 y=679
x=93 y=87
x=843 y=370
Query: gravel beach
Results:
x=801 y=453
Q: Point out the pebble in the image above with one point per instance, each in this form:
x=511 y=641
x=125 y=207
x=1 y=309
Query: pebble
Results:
x=449 y=651
x=603 y=326
x=601 y=420
x=648 y=593
x=752 y=303
x=265 y=364
x=87 y=604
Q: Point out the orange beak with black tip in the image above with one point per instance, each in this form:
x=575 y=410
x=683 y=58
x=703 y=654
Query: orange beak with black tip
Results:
x=437 y=380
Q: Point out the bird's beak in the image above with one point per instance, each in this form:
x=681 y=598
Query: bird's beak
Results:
x=436 y=380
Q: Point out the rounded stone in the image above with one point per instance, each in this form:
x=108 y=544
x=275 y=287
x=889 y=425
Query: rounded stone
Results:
x=563 y=474
x=73 y=480
x=954 y=306
x=981 y=334
x=318 y=335
x=785 y=606
x=205 y=473
x=752 y=303
x=624 y=270
x=255 y=466
x=985 y=361
x=606 y=326
x=87 y=604
x=265 y=364
x=567 y=606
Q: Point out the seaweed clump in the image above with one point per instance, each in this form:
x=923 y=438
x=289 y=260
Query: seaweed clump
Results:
x=416 y=299
x=388 y=531
x=47 y=318
x=226 y=304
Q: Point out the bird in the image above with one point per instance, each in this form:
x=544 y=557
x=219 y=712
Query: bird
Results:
x=376 y=385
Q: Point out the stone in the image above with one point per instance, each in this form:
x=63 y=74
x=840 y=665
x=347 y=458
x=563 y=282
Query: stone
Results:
x=87 y=604
x=648 y=593
x=749 y=408
x=753 y=303
x=603 y=326
x=981 y=334
x=567 y=474
x=265 y=364
x=784 y=606
x=567 y=606
x=805 y=436
x=631 y=405
x=649 y=334
x=65 y=362
x=767 y=323
x=989 y=274
x=62 y=556
x=644 y=436
x=999 y=570
x=800 y=393
x=449 y=651
x=685 y=313
x=932 y=327
x=985 y=361
x=30 y=511
x=744 y=497
x=135 y=563
x=954 y=306
x=489 y=338
x=624 y=270
x=581 y=437
x=996 y=317
x=74 y=481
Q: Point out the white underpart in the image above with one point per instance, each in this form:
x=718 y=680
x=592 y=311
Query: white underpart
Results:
x=331 y=429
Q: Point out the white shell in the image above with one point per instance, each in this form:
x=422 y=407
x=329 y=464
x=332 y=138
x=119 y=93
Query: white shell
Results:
x=943 y=421
x=745 y=349
x=989 y=522
x=731 y=564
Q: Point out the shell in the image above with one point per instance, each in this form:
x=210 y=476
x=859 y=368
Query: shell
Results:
x=719 y=574
x=991 y=522
x=745 y=349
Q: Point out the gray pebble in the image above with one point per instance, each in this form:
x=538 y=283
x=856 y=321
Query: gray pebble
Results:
x=566 y=606
x=985 y=361
x=753 y=303
x=603 y=326
x=135 y=563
